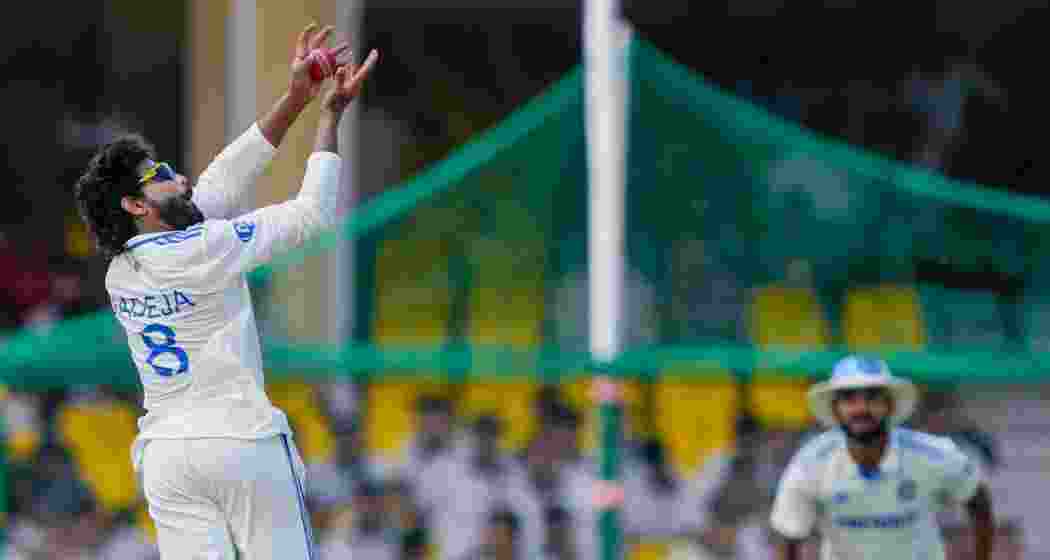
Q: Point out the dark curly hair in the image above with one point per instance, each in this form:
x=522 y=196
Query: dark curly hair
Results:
x=111 y=175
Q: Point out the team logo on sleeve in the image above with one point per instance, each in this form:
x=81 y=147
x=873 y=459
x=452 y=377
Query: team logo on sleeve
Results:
x=907 y=490
x=245 y=230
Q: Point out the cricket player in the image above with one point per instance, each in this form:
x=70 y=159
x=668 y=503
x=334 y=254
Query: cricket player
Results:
x=216 y=460
x=872 y=488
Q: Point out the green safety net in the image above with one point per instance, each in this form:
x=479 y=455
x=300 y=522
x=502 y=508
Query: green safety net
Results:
x=753 y=246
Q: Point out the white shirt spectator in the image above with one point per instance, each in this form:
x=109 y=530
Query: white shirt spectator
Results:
x=698 y=501
x=647 y=510
x=458 y=499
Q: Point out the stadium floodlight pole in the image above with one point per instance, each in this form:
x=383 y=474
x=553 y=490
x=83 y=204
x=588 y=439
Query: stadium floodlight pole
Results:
x=605 y=91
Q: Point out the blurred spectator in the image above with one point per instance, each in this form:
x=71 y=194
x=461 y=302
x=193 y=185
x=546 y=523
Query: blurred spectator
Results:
x=401 y=509
x=940 y=98
x=458 y=491
x=23 y=423
x=363 y=530
x=414 y=545
x=559 y=543
x=499 y=539
x=433 y=437
x=651 y=492
x=563 y=435
x=331 y=484
x=62 y=521
x=941 y=414
x=25 y=283
x=727 y=506
x=125 y=541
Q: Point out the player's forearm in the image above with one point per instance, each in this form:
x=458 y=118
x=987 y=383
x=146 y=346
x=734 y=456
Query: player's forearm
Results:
x=328 y=132
x=275 y=124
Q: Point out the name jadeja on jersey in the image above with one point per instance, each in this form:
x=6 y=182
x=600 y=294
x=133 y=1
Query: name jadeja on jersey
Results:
x=153 y=306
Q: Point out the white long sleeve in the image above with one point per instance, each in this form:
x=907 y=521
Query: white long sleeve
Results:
x=239 y=245
x=221 y=189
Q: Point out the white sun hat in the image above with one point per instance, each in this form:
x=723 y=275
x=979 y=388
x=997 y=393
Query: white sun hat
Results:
x=857 y=372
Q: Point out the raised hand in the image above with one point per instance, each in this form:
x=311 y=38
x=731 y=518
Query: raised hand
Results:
x=349 y=79
x=310 y=38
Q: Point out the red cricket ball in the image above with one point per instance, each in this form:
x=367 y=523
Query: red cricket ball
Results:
x=322 y=64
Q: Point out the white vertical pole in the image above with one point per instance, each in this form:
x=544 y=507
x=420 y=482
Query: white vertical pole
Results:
x=349 y=14
x=605 y=92
x=242 y=83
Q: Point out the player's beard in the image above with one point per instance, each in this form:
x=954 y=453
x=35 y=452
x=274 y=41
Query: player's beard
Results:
x=869 y=437
x=179 y=213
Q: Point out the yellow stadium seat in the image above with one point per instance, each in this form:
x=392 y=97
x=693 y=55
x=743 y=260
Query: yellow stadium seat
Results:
x=695 y=415
x=782 y=316
x=647 y=549
x=506 y=312
x=22 y=445
x=390 y=414
x=886 y=316
x=780 y=402
x=789 y=318
x=412 y=307
x=99 y=435
x=313 y=432
x=511 y=401
x=413 y=293
x=579 y=394
x=508 y=316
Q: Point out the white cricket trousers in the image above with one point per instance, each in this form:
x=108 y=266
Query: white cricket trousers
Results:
x=208 y=495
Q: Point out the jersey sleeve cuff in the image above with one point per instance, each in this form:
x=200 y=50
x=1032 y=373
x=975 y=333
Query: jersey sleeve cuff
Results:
x=255 y=136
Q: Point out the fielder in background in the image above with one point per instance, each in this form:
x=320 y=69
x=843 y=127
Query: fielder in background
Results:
x=216 y=460
x=870 y=487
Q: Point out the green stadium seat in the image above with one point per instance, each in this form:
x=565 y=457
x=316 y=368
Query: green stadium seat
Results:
x=969 y=320
x=884 y=316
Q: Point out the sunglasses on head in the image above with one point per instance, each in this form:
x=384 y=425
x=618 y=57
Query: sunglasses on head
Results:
x=868 y=393
x=159 y=171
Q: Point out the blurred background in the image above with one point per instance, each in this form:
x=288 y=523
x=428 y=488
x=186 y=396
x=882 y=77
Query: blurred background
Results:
x=803 y=180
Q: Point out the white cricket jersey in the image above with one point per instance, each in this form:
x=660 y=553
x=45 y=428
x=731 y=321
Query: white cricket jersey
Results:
x=888 y=515
x=184 y=302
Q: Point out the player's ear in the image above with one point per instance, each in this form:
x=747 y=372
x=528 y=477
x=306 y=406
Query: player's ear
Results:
x=135 y=206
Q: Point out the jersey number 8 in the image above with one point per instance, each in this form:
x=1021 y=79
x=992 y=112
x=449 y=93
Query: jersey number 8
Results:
x=166 y=346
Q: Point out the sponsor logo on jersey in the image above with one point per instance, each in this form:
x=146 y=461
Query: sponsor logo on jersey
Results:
x=887 y=521
x=245 y=230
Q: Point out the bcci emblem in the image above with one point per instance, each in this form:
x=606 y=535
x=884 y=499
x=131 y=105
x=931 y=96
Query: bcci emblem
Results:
x=244 y=230
x=906 y=491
